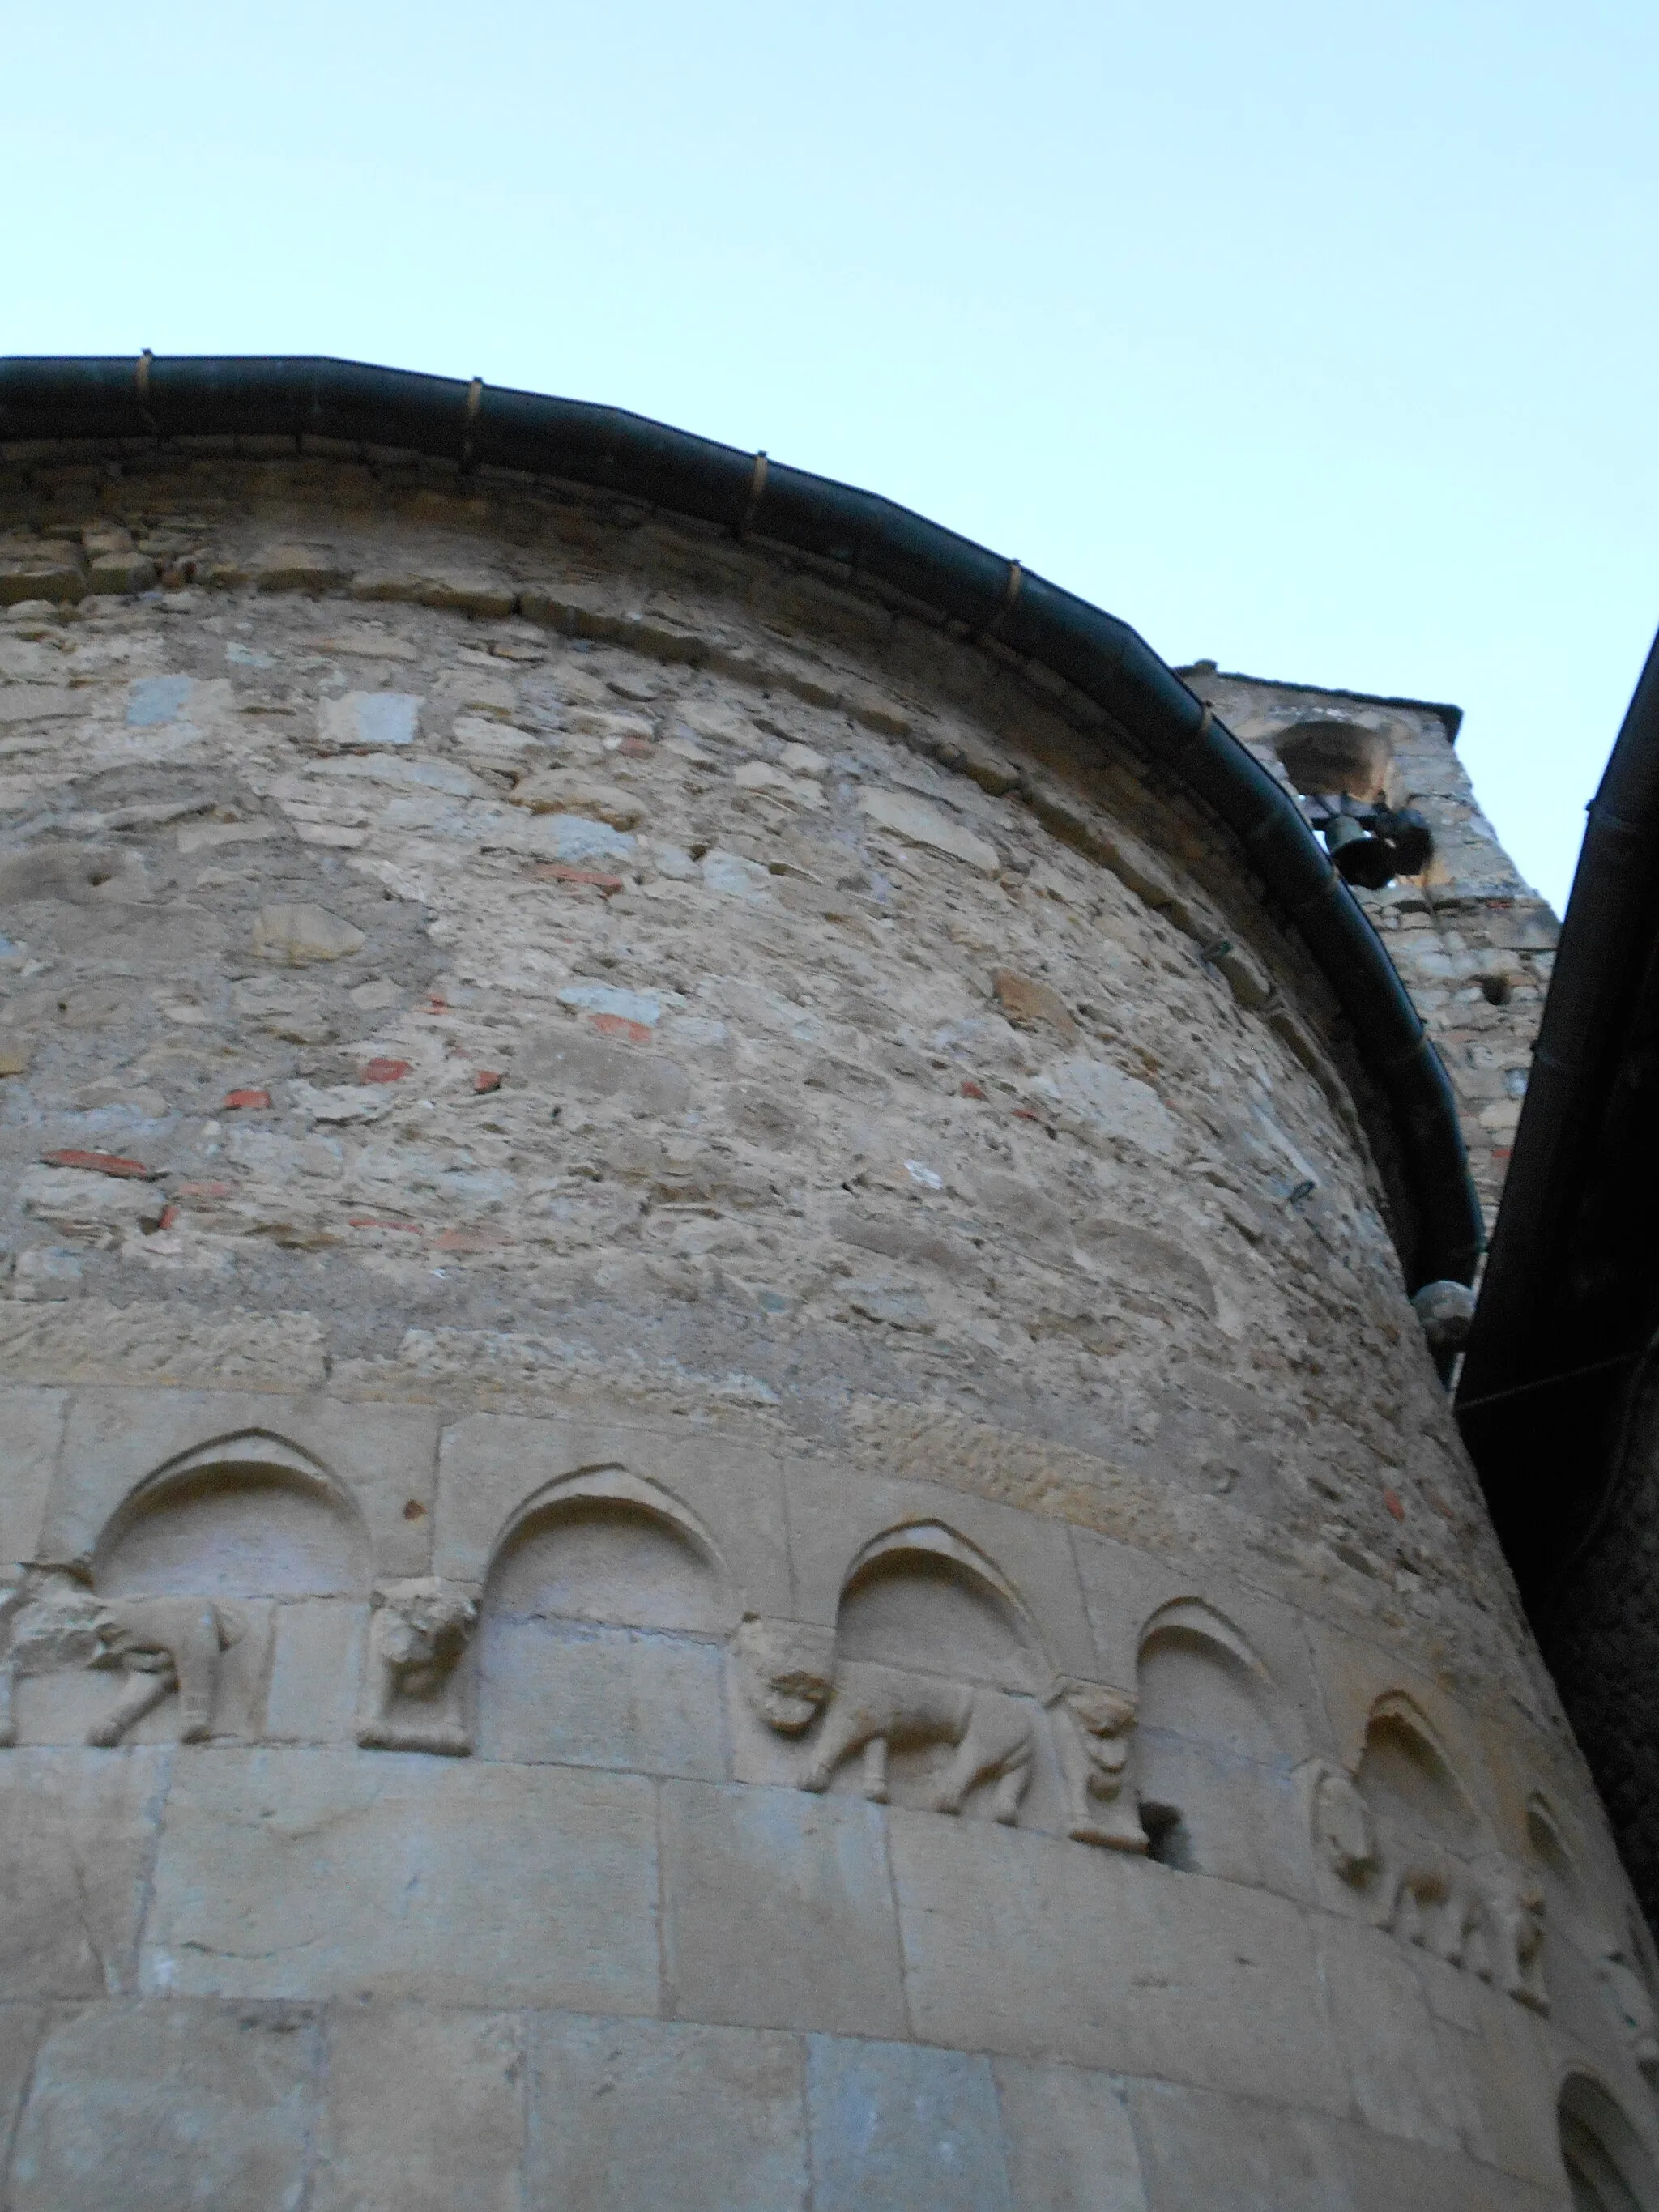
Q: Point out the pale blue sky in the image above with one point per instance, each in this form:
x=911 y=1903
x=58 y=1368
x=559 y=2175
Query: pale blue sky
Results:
x=1315 y=338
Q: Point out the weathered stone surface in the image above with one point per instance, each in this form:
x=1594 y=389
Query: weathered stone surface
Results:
x=629 y=2115
x=1204 y=2153
x=77 y=1837
x=312 y=1874
x=31 y=1424
x=779 y=1911
x=1108 y=1962
x=132 y=2105
x=894 y=2124
x=300 y=934
x=1070 y=2145
x=424 y=2109
x=918 y=823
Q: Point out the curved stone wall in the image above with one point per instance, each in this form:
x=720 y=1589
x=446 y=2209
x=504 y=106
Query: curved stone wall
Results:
x=720 y=1490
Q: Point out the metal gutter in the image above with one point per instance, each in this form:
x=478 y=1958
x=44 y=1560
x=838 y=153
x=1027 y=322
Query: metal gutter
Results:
x=138 y=404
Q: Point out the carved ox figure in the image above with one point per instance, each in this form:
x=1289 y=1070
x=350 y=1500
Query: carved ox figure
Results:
x=1485 y=1913
x=165 y=1645
x=791 y=1675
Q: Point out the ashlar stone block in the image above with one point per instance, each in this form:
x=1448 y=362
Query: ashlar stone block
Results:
x=834 y=1515
x=779 y=1911
x=384 y=1456
x=893 y=2123
x=580 y=1694
x=1069 y=2141
x=31 y=1424
x=317 y=1874
x=424 y=2109
x=634 y=2116
x=134 y=2105
x=77 y=1831
x=1205 y=2152
x=1387 y=2033
x=492 y=1466
x=1029 y=1945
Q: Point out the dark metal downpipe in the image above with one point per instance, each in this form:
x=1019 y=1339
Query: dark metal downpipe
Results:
x=606 y=449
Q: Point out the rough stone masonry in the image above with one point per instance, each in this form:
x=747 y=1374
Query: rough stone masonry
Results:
x=719 y=1486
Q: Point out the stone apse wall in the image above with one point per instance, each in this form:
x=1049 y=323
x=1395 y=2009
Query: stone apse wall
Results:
x=719 y=1488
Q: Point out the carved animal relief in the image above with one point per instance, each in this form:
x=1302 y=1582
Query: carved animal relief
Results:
x=164 y=1646
x=866 y=1709
x=417 y=1632
x=1485 y=1914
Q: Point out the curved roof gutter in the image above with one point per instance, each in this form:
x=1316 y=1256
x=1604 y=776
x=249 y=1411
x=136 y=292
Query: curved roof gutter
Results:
x=606 y=449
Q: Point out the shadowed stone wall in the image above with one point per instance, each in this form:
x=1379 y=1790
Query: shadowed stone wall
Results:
x=719 y=1486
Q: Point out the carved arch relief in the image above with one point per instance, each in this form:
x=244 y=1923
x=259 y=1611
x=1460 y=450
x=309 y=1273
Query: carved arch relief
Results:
x=1403 y=1838
x=1598 y=1955
x=1608 y=2168
x=604 y=1620
x=1215 y=1769
x=932 y=1691
x=224 y=1590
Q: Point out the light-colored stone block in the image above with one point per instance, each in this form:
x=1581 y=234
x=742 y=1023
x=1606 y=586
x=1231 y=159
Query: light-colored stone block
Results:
x=894 y=2124
x=1496 y=2074
x=314 y=1874
x=77 y=1830
x=382 y=1457
x=779 y=1911
x=1387 y=2033
x=1070 y=2144
x=1034 y=1947
x=151 y=2107
x=423 y=2109
x=316 y=1667
x=586 y=1695
x=1204 y=2153
x=636 y=2116
x=31 y=1425
x=22 y=2026
x=1388 y=2174
x=492 y=1466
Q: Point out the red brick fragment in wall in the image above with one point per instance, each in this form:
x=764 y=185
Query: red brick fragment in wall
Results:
x=487 y=1078
x=109 y=1163
x=618 y=1025
x=251 y=1101
x=207 y=1190
x=1391 y=1499
x=558 y=871
x=635 y=747
x=972 y=1090
x=386 y=1071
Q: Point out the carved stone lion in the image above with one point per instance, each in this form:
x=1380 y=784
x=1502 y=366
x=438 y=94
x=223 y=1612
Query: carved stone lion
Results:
x=418 y=1630
x=1103 y=1810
